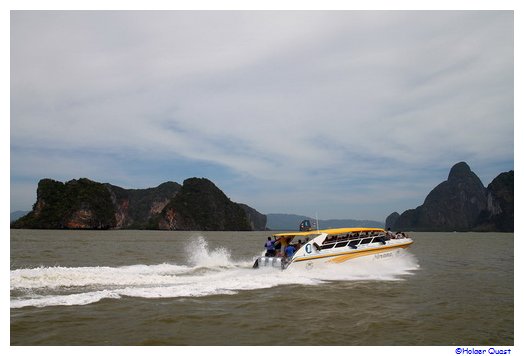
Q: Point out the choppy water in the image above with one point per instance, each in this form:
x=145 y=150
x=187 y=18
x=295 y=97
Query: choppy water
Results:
x=188 y=288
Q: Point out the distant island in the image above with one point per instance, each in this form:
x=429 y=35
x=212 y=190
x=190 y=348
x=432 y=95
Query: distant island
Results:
x=462 y=203
x=197 y=204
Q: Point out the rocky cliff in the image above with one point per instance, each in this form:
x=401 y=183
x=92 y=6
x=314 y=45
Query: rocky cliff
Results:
x=77 y=204
x=391 y=220
x=135 y=207
x=499 y=212
x=257 y=221
x=85 y=204
x=461 y=203
x=200 y=205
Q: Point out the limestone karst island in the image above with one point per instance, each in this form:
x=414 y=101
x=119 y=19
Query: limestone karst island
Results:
x=460 y=203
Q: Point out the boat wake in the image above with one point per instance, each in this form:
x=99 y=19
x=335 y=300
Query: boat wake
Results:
x=206 y=272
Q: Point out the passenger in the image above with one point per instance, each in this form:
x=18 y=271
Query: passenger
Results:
x=298 y=245
x=270 y=248
x=277 y=244
x=290 y=250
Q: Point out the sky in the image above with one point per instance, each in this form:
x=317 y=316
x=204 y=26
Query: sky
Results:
x=339 y=114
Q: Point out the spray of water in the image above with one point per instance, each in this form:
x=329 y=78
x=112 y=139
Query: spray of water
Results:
x=208 y=271
x=200 y=255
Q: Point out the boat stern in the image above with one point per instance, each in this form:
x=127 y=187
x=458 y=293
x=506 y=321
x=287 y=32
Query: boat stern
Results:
x=267 y=262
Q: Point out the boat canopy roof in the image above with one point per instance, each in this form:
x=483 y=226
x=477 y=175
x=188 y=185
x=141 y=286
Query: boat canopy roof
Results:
x=337 y=231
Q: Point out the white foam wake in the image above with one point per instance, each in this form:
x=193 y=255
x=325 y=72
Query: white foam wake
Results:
x=143 y=283
x=56 y=277
x=207 y=272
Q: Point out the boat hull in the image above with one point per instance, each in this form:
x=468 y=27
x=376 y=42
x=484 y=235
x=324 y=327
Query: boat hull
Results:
x=337 y=258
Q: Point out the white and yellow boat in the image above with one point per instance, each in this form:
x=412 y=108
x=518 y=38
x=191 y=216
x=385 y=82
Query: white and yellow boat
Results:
x=319 y=248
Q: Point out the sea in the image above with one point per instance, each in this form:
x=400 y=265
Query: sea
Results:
x=174 y=288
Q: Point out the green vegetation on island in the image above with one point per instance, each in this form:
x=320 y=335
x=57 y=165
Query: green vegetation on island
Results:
x=84 y=204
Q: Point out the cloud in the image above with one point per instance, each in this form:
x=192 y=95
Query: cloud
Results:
x=281 y=101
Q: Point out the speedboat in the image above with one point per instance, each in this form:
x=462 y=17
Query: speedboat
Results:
x=320 y=248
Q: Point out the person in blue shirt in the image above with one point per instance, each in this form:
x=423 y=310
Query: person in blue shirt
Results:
x=270 y=248
x=290 y=250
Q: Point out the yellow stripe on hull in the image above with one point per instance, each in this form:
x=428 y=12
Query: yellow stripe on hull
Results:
x=344 y=256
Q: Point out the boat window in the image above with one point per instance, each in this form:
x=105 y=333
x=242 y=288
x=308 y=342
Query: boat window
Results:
x=324 y=247
x=354 y=242
x=366 y=241
x=378 y=239
x=341 y=244
x=329 y=239
x=342 y=238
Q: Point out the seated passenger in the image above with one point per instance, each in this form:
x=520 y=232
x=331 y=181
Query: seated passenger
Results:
x=290 y=251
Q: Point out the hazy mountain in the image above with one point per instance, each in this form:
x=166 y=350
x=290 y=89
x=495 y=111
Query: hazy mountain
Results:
x=15 y=215
x=291 y=222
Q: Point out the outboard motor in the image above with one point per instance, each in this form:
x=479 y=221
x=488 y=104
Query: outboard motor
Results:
x=263 y=262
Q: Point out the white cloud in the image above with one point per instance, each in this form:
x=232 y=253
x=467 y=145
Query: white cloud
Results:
x=326 y=96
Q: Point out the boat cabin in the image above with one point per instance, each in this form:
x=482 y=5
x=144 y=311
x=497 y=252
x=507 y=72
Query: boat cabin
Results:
x=335 y=238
